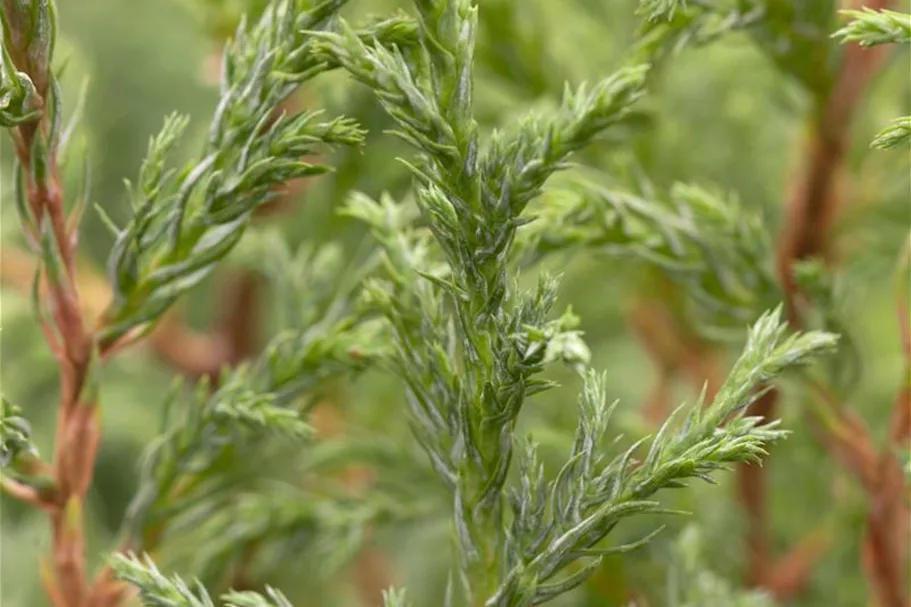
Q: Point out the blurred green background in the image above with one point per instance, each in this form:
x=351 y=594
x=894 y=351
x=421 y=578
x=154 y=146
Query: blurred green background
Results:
x=720 y=115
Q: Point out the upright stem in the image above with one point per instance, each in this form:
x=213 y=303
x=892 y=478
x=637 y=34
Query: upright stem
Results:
x=810 y=213
x=78 y=430
x=29 y=36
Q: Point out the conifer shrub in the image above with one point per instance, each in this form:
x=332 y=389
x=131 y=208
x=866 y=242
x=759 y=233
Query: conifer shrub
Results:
x=355 y=267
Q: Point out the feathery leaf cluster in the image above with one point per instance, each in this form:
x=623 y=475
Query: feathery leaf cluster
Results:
x=158 y=590
x=716 y=249
x=870 y=28
x=251 y=402
x=184 y=221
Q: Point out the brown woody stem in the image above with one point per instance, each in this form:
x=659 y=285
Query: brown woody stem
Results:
x=810 y=213
x=78 y=431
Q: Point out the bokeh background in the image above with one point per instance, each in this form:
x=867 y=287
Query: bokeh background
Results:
x=721 y=115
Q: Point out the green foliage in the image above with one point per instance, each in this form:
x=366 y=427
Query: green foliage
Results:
x=555 y=524
x=795 y=36
x=15 y=434
x=20 y=96
x=17 y=94
x=434 y=334
x=661 y=9
x=180 y=470
x=895 y=135
x=395 y=598
x=185 y=221
x=469 y=344
x=870 y=27
x=157 y=590
x=672 y=26
x=716 y=249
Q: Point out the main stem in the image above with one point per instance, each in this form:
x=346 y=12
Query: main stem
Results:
x=78 y=431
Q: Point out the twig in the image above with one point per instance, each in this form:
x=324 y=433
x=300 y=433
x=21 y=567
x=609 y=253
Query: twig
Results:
x=753 y=487
x=78 y=430
x=811 y=209
x=885 y=547
x=27 y=494
x=789 y=574
x=193 y=354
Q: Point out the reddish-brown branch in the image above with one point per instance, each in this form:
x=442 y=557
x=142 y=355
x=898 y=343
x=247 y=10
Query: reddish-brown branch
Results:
x=78 y=430
x=63 y=322
x=811 y=209
x=50 y=585
x=885 y=546
x=847 y=439
x=27 y=494
x=789 y=575
x=815 y=197
x=752 y=486
x=884 y=554
x=193 y=354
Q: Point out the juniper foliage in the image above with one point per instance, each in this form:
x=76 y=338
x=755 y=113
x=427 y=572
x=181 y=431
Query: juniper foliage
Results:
x=451 y=297
x=870 y=28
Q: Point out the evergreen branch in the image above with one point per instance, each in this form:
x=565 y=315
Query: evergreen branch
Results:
x=709 y=244
x=250 y=402
x=235 y=413
x=516 y=164
x=223 y=528
x=156 y=589
x=184 y=222
x=469 y=371
x=672 y=25
x=875 y=27
x=870 y=27
x=562 y=521
x=898 y=133
x=386 y=71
